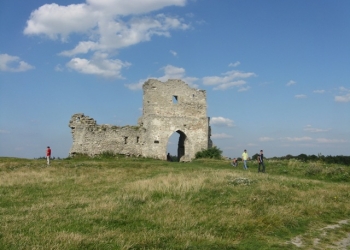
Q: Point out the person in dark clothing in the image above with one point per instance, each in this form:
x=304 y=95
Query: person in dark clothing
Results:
x=261 y=162
x=168 y=157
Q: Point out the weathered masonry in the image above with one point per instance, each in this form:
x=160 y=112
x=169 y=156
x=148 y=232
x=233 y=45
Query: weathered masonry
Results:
x=168 y=107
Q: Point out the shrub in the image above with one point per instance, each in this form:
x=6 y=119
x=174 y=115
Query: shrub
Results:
x=255 y=157
x=214 y=153
x=302 y=157
x=313 y=169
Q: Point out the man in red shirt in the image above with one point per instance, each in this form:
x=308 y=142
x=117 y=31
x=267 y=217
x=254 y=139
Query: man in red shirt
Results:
x=48 y=155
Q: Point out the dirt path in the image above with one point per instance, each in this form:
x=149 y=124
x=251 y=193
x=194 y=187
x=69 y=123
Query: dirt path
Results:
x=321 y=241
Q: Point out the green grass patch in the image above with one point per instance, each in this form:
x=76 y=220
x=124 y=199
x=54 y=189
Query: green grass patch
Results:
x=113 y=202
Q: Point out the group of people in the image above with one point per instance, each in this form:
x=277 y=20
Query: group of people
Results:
x=234 y=162
x=245 y=158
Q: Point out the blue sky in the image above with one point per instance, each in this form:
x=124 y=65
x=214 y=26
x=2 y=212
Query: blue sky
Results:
x=276 y=73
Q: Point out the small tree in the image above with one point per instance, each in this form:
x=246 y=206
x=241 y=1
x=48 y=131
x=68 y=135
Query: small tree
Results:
x=302 y=157
x=255 y=157
x=214 y=153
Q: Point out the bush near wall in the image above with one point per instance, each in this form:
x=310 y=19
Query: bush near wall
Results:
x=213 y=153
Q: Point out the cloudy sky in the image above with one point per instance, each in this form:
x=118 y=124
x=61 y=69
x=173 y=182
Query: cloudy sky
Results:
x=276 y=73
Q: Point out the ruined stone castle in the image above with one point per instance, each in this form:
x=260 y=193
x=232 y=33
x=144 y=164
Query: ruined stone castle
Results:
x=168 y=107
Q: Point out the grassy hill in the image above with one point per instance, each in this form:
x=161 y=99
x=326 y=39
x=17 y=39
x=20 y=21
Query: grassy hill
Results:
x=135 y=203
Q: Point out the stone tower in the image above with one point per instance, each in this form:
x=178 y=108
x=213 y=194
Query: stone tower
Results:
x=170 y=107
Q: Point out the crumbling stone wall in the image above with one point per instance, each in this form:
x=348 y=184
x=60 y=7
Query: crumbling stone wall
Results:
x=92 y=139
x=170 y=107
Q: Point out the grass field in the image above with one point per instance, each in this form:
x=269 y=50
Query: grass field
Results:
x=135 y=203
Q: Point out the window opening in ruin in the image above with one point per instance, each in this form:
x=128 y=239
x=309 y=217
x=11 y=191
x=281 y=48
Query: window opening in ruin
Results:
x=175 y=99
x=156 y=141
x=125 y=140
x=176 y=145
x=137 y=139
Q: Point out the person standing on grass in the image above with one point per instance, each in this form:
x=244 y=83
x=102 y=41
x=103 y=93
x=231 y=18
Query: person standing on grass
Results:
x=168 y=157
x=261 y=162
x=245 y=157
x=48 y=155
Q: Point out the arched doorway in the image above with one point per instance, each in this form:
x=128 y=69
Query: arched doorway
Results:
x=176 y=144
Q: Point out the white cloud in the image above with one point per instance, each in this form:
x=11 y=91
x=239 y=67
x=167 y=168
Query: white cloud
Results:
x=290 y=83
x=108 y=24
x=81 y=48
x=59 y=68
x=105 y=27
x=344 y=96
x=302 y=96
x=309 y=128
x=220 y=136
x=56 y=21
x=265 y=139
x=324 y=140
x=312 y=141
x=132 y=7
x=297 y=139
x=229 y=85
x=228 y=77
x=136 y=86
x=113 y=35
x=173 y=53
x=319 y=91
x=98 y=65
x=221 y=121
x=242 y=89
x=228 y=80
x=170 y=72
x=13 y=64
x=190 y=81
x=234 y=64
x=2 y=131
x=190 y=15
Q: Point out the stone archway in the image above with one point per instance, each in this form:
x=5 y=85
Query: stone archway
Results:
x=178 y=144
x=181 y=145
